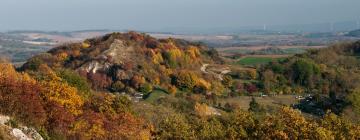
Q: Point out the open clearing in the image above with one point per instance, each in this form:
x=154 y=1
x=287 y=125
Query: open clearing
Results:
x=244 y=101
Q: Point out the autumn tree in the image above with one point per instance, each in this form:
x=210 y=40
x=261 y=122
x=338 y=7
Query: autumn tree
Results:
x=99 y=80
x=227 y=81
x=354 y=99
x=19 y=96
x=118 y=86
x=75 y=80
x=175 y=127
x=185 y=80
x=268 y=81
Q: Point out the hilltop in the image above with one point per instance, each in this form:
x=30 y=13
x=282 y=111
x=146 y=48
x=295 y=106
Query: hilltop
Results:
x=128 y=62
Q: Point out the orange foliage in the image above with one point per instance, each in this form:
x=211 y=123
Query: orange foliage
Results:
x=19 y=96
x=62 y=94
x=105 y=118
x=204 y=84
x=137 y=80
x=193 y=52
x=157 y=58
x=62 y=56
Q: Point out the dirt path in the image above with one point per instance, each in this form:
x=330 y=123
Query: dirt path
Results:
x=203 y=68
x=220 y=75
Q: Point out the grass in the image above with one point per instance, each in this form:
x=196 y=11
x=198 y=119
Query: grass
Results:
x=294 y=50
x=272 y=101
x=155 y=95
x=257 y=60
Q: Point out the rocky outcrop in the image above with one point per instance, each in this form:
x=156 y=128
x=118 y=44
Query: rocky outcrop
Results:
x=19 y=133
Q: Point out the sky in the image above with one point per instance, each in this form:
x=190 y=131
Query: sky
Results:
x=162 y=15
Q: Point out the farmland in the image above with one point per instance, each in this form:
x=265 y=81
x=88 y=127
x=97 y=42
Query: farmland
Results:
x=253 y=60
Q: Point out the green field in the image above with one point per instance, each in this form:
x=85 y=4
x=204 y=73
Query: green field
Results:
x=257 y=60
x=155 y=95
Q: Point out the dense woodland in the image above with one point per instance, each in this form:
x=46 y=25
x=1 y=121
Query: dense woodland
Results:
x=74 y=92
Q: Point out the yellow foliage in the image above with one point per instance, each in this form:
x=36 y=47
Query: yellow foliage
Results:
x=204 y=84
x=7 y=70
x=96 y=131
x=172 y=90
x=252 y=73
x=157 y=58
x=62 y=56
x=54 y=90
x=63 y=94
x=76 y=53
x=175 y=53
x=165 y=71
x=85 y=44
x=48 y=73
x=186 y=79
x=202 y=110
x=156 y=81
x=193 y=52
x=217 y=88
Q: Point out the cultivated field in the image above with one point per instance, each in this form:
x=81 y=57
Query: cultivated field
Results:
x=255 y=60
x=228 y=51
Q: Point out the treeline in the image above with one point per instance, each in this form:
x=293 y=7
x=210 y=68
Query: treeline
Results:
x=59 y=105
x=330 y=74
x=191 y=118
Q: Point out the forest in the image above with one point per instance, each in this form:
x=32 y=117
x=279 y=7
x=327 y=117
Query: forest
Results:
x=86 y=90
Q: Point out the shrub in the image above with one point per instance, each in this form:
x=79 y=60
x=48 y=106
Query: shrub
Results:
x=75 y=80
x=146 y=88
x=117 y=86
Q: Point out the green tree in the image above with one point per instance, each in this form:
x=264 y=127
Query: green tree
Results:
x=303 y=71
x=354 y=99
x=117 y=86
x=75 y=80
x=146 y=88
x=175 y=127
x=254 y=106
x=227 y=81
x=185 y=80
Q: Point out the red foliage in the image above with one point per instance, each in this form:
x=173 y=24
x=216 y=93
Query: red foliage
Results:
x=151 y=43
x=20 y=98
x=135 y=36
x=59 y=119
x=137 y=80
x=251 y=88
x=99 y=80
x=127 y=66
x=83 y=73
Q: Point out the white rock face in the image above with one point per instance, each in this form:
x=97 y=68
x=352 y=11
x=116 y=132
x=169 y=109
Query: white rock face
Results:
x=20 y=134
x=117 y=53
x=32 y=133
x=4 y=119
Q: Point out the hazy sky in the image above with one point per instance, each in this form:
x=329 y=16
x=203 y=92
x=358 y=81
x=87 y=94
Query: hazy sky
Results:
x=163 y=14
